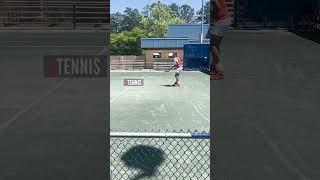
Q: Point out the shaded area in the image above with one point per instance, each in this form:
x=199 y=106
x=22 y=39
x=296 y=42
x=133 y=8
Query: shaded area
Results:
x=313 y=36
x=51 y=128
x=265 y=112
x=145 y=158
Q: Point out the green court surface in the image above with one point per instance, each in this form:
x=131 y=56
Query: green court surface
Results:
x=158 y=106
x=50 y=127
x=265 y=113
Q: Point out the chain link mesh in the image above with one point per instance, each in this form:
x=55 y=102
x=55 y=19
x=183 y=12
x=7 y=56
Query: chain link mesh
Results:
x=159 y=158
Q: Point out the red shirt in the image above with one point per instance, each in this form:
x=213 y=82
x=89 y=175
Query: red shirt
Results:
x=178 y=62
x=222 y=12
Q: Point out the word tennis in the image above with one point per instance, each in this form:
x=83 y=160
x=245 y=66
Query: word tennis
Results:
x=133 y=82
x=75 y=66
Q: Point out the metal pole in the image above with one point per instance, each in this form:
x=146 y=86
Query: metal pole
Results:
x=202 y=22
x=200 y=135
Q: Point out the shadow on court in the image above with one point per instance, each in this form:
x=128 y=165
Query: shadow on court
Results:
x=50 y=128
x=265 y=111
x=313 y=36
x=145 y=158
x=168 y=85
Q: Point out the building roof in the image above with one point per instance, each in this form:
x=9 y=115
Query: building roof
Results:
x=191 y=31
x=205 y=41
x=163 y=42
x=177 y=36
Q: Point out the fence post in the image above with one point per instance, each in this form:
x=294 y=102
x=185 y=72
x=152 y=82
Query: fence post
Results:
x=145 y=63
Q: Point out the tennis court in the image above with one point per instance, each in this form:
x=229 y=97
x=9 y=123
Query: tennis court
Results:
x=156 y=105
x=49 y=127
x=265 y=111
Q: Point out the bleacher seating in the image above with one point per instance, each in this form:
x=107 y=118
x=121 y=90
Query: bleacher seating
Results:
x=127 y=64
x=49 y=13
x=161 y=66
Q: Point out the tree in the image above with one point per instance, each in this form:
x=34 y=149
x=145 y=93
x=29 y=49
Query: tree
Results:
x=206 y=17
x=127 y=42
x=131 y=19
x=126 y=21
x=145 y=11
x=175 y=8
x=116 y=22
x=158 y=19
x=186 y=13
x=148 y=7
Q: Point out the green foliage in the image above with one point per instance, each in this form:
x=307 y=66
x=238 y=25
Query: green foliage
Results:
x=127 y=42
x=130 y=19
x=171 y=14
x=116 y=22
x=186 y=13
x=206 y=17
x=175 y=8
x=130 y=26
x=159 y=17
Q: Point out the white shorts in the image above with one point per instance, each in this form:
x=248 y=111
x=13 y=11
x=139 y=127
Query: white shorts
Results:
x=221 y=27
x=179 y=70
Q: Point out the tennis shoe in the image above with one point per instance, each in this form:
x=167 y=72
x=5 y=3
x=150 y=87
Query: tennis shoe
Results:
x=217 y=74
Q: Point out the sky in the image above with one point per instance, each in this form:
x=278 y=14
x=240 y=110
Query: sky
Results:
x=120 y=5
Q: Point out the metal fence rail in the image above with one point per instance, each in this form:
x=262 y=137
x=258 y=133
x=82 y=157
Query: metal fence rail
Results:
x=159 y=155
x=66 y=14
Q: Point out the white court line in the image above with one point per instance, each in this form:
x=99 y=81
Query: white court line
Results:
x=199 y=112
x=28 y=107
x=102 y=51
x=36 y=101
x=122 y=92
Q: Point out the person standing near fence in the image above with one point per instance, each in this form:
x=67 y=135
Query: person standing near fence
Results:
x=221 y=22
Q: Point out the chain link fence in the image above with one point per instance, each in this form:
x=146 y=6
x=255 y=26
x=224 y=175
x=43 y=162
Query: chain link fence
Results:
x=160 y=155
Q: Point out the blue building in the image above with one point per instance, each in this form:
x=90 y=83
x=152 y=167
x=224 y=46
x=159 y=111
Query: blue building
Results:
x=179 y=35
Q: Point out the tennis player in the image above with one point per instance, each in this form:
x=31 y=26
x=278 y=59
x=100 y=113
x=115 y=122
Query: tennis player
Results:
x=221 y=22
x=179 y=67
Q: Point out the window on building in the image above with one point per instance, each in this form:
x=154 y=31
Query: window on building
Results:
x=156 y=55
x=171 y=54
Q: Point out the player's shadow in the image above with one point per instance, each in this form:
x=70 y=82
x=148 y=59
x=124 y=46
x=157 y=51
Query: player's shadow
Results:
x=167 y=85
x=145 y=158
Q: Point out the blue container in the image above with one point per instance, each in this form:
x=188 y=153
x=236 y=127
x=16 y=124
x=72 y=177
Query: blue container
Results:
x=196 y=56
